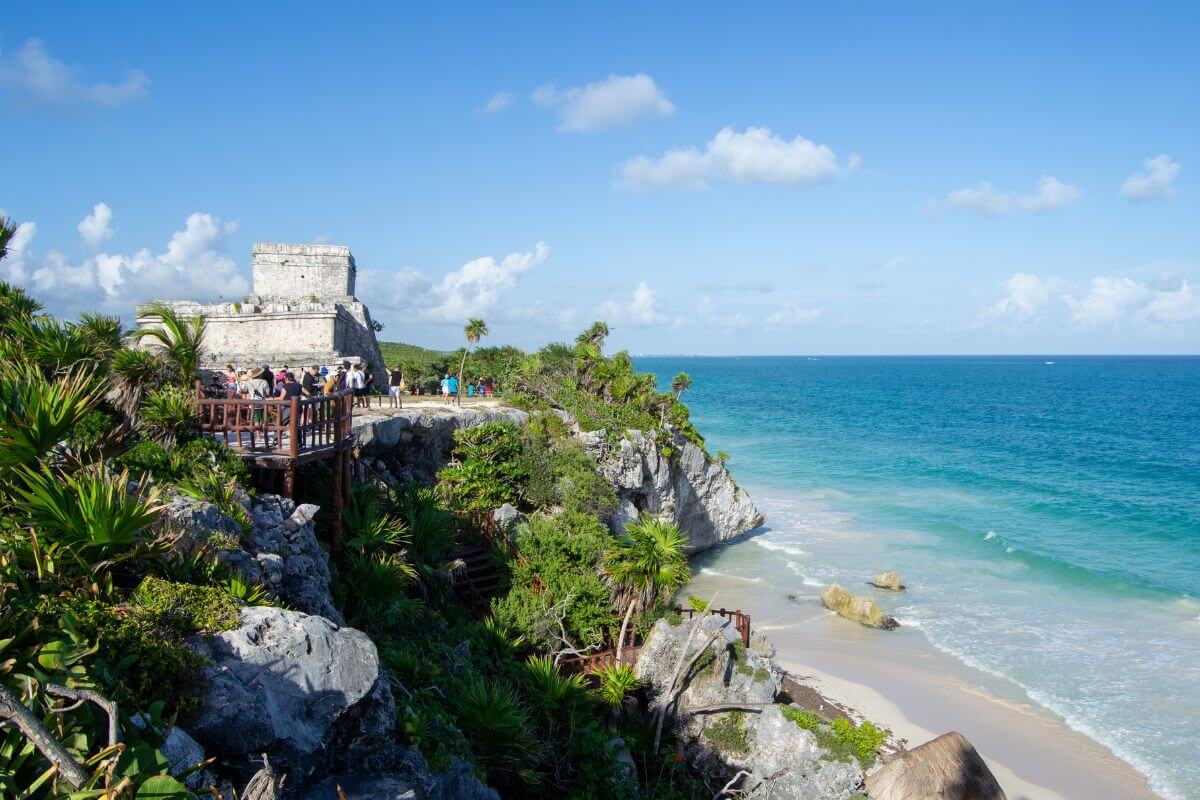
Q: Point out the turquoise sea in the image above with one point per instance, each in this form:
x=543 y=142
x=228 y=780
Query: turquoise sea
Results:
x=1045 y=512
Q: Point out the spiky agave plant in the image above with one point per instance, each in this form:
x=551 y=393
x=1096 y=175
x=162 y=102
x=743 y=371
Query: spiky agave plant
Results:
x=92 y=514
x=56 y=346
x=36 y=412
x=105 y=332
x=373 y=588
x=553 y=694
x=496 y=725
x=134 y=373
x=617 y=681
x=167 y=414
x=430 y=534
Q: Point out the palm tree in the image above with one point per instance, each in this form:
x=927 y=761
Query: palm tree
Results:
x=8 y=229
x=648 y=564
x=595 y=335
x=680 y=384
x=475 y=330
x=181 y=340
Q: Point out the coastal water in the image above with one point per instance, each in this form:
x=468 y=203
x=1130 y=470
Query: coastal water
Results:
x=1044 y=512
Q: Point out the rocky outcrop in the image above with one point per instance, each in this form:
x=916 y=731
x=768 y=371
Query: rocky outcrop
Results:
x=858 y=608
x=280 y=550
x=782 y=759
x=686 y=487
x=298 y=688
x=425 y=437
x=888 y=580
x=408 y=779
x=946 y=768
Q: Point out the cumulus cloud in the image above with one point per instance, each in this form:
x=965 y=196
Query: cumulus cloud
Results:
x=751 y=156
x=1051 y=194
x=643 y=308
x=614 y=102
x=790 y=315
x=1025 y=298
x=95 y=227
x=473 y=290
x=35 y=77
x=194 y=265
x=498 y=102
x=1104 y=300
x=1154 y=182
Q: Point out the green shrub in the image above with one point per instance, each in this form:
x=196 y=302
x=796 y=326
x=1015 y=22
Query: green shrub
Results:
x=842 y=738
x=697 y=604
x=565 y=552
x=486 y=470
x=137 y=661
x=497 y=727
x=185 y=608
x=92 y=428
x=147 y=457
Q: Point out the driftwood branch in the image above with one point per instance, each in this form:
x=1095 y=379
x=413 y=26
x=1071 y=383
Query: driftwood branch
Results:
x=741 y=773
x=81 y=695
x=33 y=729
x=754 y=708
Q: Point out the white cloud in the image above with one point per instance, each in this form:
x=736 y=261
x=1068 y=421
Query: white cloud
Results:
x=194 y=265
x=95 y=227
x=1025 y=298
x=1108 y=299
x=752 y=156
x=642 y=308
x=1051 y=194
x=1105 y=300
x=36 y=77
x=1155 y=182
x=790 y=315
x=498 y=102
x=614 y=102
x=473 y=290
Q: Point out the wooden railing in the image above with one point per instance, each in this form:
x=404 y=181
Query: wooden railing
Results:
x=480 y=524
x=292 y=427
x=741 y=622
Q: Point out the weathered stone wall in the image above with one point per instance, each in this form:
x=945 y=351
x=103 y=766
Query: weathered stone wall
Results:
x=301 y=271
x=282 y=332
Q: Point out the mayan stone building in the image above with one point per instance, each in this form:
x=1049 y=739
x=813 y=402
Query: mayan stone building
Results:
x=303 y=312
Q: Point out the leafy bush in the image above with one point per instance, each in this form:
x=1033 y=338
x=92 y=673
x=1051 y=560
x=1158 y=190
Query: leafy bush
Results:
x=486 y=470
x=559 y=473
x=616 y=683
x=371 y=588
x=497 y=727
x=136 y=661
x=185 y=608
x=168 y=414
x=564 y=551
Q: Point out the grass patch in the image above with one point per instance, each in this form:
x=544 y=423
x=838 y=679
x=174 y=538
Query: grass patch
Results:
x=844 y=740
x=728 y=734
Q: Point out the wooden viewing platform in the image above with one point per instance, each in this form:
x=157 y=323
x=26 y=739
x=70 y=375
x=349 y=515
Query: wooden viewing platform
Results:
x=278 y=434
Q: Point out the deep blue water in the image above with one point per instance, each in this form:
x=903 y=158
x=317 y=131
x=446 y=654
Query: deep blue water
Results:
x=1060 y=494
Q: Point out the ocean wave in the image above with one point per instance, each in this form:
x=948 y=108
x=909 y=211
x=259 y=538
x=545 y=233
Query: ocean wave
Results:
x=782 y=548
x=990 y=535
x=1047 y=700
x=712 y=573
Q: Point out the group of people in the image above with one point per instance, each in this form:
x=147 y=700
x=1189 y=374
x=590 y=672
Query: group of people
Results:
x=479 y=387
x=263 y=383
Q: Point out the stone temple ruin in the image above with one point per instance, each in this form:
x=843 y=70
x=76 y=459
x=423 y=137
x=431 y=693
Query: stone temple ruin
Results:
x=303 y=312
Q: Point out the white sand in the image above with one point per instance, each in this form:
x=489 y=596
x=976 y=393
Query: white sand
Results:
x=900 y=682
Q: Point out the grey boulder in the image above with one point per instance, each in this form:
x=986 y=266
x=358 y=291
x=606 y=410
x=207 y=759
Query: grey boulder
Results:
x=296 y=687
x=946 y=768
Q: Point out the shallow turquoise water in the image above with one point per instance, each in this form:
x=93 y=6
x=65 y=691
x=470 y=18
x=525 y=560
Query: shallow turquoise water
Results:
x=1045 y=511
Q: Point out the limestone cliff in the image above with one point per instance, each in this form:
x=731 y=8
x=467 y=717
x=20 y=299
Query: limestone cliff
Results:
x=697 y=494
x=685 y=486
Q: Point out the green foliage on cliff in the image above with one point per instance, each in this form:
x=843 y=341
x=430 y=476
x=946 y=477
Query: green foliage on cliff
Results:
x=564 y=552
x=841 y=738
x=486 y=469
x=183 y=607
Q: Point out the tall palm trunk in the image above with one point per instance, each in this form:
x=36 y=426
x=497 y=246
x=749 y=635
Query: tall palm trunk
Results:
x=624 y=627
x=462 y=365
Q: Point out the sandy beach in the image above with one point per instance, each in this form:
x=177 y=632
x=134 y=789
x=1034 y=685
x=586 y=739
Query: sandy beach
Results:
x=919 y=693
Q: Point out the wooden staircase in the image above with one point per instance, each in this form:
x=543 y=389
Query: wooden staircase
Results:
x=480 y=578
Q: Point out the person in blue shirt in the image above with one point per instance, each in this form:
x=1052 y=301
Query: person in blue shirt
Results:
x=453 y=385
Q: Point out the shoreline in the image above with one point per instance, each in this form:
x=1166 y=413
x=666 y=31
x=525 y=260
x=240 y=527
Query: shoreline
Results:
x=901 y=682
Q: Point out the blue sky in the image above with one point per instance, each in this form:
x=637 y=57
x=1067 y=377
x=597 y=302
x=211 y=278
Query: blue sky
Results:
x=873 y=178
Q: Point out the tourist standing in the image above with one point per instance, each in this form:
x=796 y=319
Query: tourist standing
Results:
x=368 y=384
x=288 y=388
x=396 y=386
x=452 y=383
x=445 y=389
x=310 y=386
x=266 y=375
